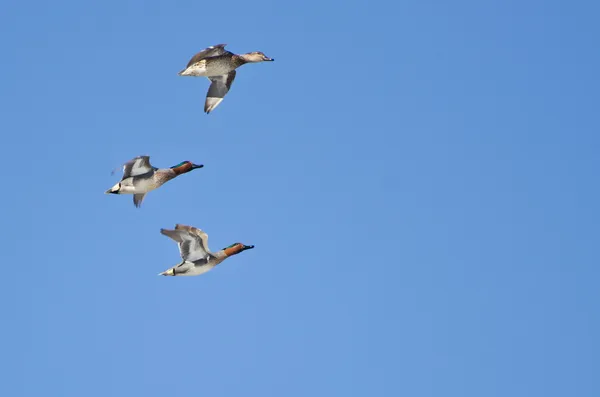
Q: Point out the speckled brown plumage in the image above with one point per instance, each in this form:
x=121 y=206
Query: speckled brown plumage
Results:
x=219 y=66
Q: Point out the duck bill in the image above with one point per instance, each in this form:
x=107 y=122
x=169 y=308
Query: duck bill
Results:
x=248 y=247
x=194 y=166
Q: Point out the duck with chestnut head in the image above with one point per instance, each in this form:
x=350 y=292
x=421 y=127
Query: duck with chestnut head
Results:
x=140 y=177
x=219 y=65
x=193 y=247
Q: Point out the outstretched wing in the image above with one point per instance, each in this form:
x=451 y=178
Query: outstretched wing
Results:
x=191 y=243
x=212 y=51
x=196 y=232
x=137 y=166
x=138 y=198
x=219 y=87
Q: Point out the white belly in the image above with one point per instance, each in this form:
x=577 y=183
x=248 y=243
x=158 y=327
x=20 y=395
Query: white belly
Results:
x=141 y=186
x=196 y=271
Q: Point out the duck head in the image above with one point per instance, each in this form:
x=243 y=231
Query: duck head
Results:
x=256 y=56
x=236 y=248
x=185 y=166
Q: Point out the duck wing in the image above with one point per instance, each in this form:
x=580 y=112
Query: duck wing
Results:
x=192 y=242
x=137 y=166
x=219 y=87
x=196 y=232
x=138 y=198
x=212 y=51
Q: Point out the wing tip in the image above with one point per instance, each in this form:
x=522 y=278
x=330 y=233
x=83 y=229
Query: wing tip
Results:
x=211 y=104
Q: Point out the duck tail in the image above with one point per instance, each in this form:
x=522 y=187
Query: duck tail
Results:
x=170 y=272
x=115 y=189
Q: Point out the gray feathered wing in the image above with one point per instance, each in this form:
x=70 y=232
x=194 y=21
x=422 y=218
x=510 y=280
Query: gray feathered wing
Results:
x=212 y=51
x=137 y=166
x=219 y=87
x=192 y=242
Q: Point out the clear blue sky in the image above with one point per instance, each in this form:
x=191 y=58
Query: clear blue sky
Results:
x=420 y=179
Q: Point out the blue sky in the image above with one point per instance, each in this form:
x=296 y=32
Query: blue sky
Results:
x=419 y=179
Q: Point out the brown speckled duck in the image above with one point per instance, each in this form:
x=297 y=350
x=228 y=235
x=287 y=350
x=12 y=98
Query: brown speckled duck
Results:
x=196 y=257
x=219 y=66
x=140 y=177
